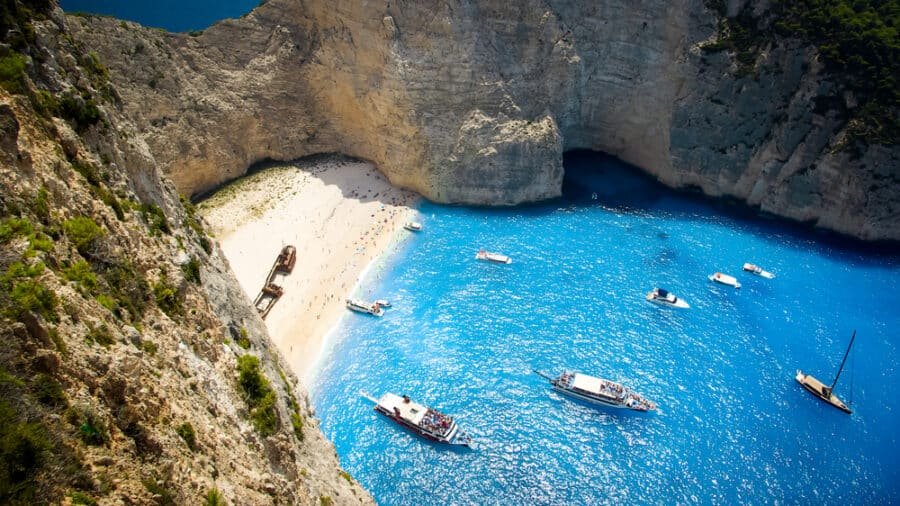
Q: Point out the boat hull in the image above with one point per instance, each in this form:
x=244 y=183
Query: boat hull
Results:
x=596 y=401
x=819 y=389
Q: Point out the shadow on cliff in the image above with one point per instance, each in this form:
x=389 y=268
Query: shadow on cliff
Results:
x=598 y=179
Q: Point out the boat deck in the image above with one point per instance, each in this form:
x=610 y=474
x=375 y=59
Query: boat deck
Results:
x=411 y=411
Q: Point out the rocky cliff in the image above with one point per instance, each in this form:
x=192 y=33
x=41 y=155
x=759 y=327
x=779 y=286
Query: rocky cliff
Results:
x=475 y=102
x=133 y=370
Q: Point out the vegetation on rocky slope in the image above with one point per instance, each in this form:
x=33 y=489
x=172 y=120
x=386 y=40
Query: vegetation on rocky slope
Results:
x=116 y=378
x=858 y=40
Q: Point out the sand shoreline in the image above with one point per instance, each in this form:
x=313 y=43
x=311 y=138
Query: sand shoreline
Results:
x=342 y=215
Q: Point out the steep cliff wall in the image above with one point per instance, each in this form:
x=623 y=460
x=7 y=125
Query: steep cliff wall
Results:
x=133 y=370
x=475 y=102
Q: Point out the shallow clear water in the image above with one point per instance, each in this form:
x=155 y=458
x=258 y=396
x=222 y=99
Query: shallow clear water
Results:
x=732 y=427
x=173 y=15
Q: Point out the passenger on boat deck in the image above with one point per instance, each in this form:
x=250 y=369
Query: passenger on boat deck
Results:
x=396 y=411
x=405 y=399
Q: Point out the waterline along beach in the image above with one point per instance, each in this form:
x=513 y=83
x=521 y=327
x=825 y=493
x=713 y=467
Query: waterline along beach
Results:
x=731 y=424
x=341 y=215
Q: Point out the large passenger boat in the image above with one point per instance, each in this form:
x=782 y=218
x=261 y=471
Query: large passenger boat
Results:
x=598 y=391
x=359 y=306
x=422 y=420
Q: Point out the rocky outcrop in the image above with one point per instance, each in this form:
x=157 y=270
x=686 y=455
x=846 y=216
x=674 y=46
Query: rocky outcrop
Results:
x=475 y=102
x=133 y=369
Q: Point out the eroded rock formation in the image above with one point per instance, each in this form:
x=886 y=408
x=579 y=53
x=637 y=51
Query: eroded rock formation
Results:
x=475 y=102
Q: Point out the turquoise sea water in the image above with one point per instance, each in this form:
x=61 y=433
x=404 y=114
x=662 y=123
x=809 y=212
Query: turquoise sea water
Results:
x=732 y=427
x=173 y=15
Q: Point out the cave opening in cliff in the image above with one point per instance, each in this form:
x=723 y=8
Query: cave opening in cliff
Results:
x=595 y=177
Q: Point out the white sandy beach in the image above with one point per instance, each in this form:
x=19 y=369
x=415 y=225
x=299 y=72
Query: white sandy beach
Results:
x=340 y=214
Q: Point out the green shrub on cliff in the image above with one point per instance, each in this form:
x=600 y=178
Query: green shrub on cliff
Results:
x=186 y=431
x=258 y=394
x=21 y=293
x=12 y=73
x=83 y=233
x=24 y=447
x=155 y=219
x=167 y=297
x=81 y=110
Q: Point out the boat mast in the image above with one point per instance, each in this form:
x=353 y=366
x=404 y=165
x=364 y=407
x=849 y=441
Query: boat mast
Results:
x=841 y=368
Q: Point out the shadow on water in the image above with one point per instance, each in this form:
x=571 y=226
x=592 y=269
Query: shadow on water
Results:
x=598 y=179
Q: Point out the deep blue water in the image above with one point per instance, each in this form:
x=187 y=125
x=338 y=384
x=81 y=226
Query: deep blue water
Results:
x=173 y=15
x=733 y=426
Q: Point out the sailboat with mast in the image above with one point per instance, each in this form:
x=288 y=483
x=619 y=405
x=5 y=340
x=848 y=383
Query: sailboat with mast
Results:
x=820 y=390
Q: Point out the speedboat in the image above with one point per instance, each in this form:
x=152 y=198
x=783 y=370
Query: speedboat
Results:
x=755 y=269
x=487 y=256
x=365 y=307
x=724 y=279
x=383 y=303
x=413 y=226
x=424 y=421
x=666 y=298
x=599 y=391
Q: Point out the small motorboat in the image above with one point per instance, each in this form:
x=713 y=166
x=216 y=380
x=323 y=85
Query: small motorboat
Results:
x=424 y=421
x=599 y=391
x=365 y=307
x=383 y=303
x=665 y=298
x=759 y=271
x=413 y=226
x=724 y=279
x=497 y=258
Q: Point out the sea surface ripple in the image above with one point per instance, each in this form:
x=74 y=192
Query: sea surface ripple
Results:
x=732 y=426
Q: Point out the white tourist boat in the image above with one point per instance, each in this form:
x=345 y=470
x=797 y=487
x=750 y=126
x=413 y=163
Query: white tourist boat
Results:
x=487 y=256
x=724 y=279
x=383 y=303
x=365 y=307
x=413 y=226
x=759 y=271
x=599 y=391
x=422 y=420
x=665 y=298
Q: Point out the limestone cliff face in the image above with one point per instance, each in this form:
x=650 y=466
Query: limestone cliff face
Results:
x=125 y=335
x=475 y=102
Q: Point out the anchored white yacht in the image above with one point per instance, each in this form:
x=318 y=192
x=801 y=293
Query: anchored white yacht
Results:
x=365 y=307
x=724 y=279
x=487 y=256
x=665 y=298
x=413 y=226
x=759 y=271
